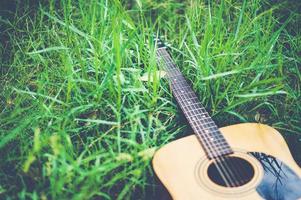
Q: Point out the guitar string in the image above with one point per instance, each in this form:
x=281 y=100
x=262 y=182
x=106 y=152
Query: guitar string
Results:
x=214 y=129
x=209 y=127
x=196 y=125
x=229 y=171
x=225 y=176
x=207 y=121
x=222 y=158
x=211 y=152
x=225 y=159
x=234 y=173
x=223 y=172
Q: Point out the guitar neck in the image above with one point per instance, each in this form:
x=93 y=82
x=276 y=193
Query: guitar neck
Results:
x=212 y=141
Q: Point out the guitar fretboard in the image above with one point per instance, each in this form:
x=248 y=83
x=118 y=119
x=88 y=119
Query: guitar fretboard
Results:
x=212 y=141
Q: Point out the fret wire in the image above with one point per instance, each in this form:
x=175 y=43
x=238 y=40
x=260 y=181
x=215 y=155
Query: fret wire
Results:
x=215 y=149
x=167 y=60
x=198 y=111
x=179 y=84
x=171 y=74
x=198 y=114
x=219 y=147
x=217 y=143
x=208 y=125
x=175 y=72
x=194 y=104
x=179 y=80
x=212 y=129
x=182 y=88
x=183 y=85
x=164 y=54
x=205 y=138
x=187 y=94
x=222 y=141
x=178 y=87
x=218 y=140
x=201 y=109
x=162 y=57
x=167 y=56
x=211 y=135
x=209 y=132
x=201 y=116
x=170 y=67
x=177 y=75
x=189 y=101
x=205 y=128
x=183 y=94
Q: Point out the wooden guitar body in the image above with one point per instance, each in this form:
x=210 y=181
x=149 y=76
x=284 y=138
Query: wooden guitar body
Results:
x=182 y=166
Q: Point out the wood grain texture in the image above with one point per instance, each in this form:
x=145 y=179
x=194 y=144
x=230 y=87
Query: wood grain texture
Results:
x=175 y=162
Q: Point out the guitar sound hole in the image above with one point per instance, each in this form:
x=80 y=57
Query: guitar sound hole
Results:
x=230 y=171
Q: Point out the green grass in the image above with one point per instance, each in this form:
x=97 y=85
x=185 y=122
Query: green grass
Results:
x=76 y=122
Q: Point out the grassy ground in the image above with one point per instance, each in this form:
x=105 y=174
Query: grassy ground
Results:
x=77 y=123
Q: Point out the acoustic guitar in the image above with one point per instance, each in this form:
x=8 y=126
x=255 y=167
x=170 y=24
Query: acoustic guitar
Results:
x=242 y=161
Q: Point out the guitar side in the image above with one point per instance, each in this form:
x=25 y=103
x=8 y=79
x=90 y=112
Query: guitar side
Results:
x=175 y=164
